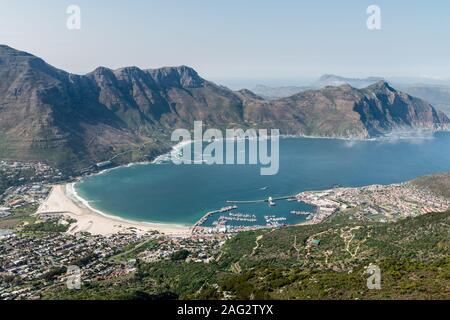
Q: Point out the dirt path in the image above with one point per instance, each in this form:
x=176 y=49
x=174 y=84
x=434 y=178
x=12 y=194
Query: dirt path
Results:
x=347 y=235
x=259 y=238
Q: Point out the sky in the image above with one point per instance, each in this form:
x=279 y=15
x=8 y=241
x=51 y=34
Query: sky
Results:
x=233 y=42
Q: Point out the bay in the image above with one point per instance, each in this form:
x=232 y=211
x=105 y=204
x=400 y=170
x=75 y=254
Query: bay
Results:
x=182 y=194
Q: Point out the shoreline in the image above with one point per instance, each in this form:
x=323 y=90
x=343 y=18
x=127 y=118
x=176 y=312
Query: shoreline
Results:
x=65 y=200
x=62 y=200
x=383 y=138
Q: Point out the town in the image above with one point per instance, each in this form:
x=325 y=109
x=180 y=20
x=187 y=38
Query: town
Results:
x=31 y=262
x=25 y=184
x=375 y=203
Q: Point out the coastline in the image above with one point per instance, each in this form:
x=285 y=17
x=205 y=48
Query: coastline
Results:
x=63 y=200
x=392 y=136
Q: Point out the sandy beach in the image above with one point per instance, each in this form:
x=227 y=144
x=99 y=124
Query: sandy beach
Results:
x=63 y=200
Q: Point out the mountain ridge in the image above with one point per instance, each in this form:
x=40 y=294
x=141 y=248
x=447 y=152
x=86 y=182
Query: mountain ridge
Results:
x=73 y=121
x=437 y=94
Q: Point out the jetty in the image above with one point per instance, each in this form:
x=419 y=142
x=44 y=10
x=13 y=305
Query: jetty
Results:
x=262 y=200
x=209 y=214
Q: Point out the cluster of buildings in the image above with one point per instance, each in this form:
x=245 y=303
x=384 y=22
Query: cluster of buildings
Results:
x=32 y=262
x=5 y=212
x=377 y=202
x=28 y=194
x=26 y=261
x=29 y=183
x=227 y=229
x=201 y=249
x=29 y=171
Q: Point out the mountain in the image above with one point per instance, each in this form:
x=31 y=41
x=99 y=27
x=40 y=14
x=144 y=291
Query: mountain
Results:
x=333 y=80
x=345 y=111
x=73 y=121
x=326 y=80
x=67 y=119
x=272 y=93
x=435 y=92
x=437 y=95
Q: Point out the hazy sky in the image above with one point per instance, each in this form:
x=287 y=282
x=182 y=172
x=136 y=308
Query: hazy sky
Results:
x=231 y=40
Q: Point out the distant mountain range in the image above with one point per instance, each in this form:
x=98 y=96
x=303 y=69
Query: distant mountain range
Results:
x=436 y=93
x=333 y=80
x=324 y=81
x=75 y=120
x=271 y=93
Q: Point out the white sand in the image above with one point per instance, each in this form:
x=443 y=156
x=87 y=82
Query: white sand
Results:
x=63 y=200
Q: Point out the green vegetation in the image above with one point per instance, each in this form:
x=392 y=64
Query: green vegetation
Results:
x=53 y=273
x=83 y=261
x=47 y=226
x=179 y=255
x=413 y=255
x=132 y=250
x=18 y=217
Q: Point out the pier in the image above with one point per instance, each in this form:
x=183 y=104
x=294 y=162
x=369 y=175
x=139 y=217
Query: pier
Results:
x=263 y=200
x=209 y=214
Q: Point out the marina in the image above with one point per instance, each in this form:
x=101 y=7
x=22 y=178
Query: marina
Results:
x=227 y=219
x=211 y=213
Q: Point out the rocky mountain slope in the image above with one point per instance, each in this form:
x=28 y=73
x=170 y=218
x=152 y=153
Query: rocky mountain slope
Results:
x=72 y=121
x=436 y=94
x=346 y=112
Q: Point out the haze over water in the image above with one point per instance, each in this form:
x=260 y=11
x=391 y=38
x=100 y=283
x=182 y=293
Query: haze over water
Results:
x=182 y=194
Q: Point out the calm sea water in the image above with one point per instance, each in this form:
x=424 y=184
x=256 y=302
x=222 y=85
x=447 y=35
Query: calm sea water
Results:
x=182 y=194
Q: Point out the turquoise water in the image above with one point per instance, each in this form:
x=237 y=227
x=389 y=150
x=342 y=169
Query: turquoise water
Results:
x=182 y=194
